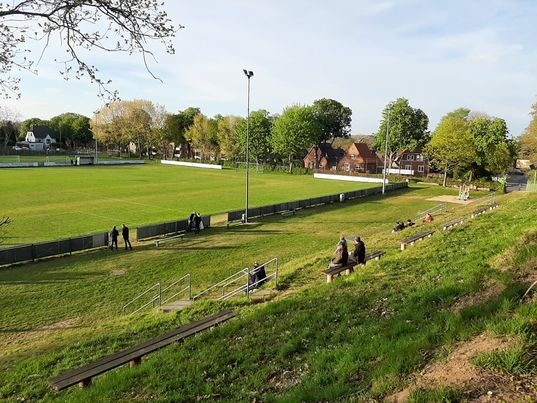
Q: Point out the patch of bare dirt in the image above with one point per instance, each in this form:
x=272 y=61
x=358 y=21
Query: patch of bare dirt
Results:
x=491 y=289
x=455 y=371
x=21 y=337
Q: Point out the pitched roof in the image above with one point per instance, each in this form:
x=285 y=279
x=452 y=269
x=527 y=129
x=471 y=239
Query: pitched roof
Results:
x=364 y=150
x=40 y=132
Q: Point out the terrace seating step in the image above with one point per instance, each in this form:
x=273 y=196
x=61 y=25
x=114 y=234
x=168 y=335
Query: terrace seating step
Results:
x=83 y=375
x=176 y=306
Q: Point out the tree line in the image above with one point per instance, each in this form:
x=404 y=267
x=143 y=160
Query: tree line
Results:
x=464 y=144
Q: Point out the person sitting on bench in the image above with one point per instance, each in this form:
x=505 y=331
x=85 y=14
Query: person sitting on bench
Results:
x=358 y=255
x=409 y=223
x=342 y=254
x=428 y=218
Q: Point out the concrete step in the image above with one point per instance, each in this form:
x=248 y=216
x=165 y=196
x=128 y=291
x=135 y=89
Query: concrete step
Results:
x=176 y=306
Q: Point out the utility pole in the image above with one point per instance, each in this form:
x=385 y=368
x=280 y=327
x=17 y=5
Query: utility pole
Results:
x=249 y=74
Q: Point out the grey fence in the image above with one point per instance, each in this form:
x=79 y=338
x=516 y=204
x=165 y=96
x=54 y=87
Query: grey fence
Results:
x=315 y=201
x=170 y=227
x=40 y=250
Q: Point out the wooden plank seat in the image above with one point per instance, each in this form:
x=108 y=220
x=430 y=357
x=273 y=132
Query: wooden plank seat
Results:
x=234 y=222
x=479 y=211
x=331 y=272
x=414 y=238
x=178 y=235
x=288 y=213
x=83 y=375
x=453 y=223
x=494 y=206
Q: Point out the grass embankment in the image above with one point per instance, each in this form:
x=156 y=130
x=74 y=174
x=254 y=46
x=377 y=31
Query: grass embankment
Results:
x=52 y=203
x=361 y=337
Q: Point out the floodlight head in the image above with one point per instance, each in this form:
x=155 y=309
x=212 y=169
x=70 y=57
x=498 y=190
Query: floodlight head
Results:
x=248 y=73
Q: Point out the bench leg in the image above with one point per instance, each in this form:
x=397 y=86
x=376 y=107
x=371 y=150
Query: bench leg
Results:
x=134 y=362
x=348 y=271
x=403 y=246
x=329 y=278
x=412 y=243
x=430 y=235
x=84 y=382
x=377 y=258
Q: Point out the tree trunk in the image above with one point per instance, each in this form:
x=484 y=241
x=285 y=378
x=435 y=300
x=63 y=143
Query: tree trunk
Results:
x=290 y=165
x=445 y=177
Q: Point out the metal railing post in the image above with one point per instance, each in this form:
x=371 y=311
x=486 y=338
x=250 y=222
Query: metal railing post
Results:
x=247 y=281
x=189 y=287
x=159 y=294
x=276 y=276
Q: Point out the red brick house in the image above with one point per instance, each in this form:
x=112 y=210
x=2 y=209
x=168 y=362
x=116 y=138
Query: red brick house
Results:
x=326 y=157
x=360 y=158
x=413 y=160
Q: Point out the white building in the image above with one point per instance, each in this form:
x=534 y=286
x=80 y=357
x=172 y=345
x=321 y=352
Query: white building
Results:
x=40 y=137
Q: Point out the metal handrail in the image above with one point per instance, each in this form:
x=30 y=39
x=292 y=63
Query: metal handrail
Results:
x=247 y=272
x=438 y=207
x=188 y=287
x=153 y=299
x=217 y=284
x=248 y=286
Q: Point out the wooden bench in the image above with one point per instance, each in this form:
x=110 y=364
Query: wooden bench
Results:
x=234 y=222
x=479 y=211
x=179 y=235
x=494 y=206
x=348 y=269
x=83 y=375
x=288 y=213
x=414 y=238
x=453 y=223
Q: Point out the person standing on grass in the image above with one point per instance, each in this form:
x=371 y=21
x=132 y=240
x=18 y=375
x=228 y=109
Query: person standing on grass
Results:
x=197 y=222
x=191 y=220
x=125 y=233
x=114 y=233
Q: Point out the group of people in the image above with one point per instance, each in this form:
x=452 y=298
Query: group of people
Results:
x=399 y=225
x=256 y=277
x=195 y=223
x=343 y=257
x=114 y=234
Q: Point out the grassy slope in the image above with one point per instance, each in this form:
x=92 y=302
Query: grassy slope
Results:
x=52 y=203
x=360 y=336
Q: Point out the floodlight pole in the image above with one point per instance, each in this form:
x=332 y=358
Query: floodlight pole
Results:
x=386 y=154
x=249 y=74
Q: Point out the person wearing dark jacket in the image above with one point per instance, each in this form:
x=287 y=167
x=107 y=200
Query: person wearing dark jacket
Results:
x=358 y=255
x=191 y=221
x=125 y=234
x=114 y=233
x=342 y=254
x=197 y=222
x=260 y=274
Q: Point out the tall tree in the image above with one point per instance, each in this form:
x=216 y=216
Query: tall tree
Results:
x=527 y=143
x=71 y=129
x=126 y=26
x=9 y=126
x=333 y=121
x=494 y=151
x=259 y=133
x=228 y=139
x=294 y=131
x=202 y=135
x=452 y=147
x=407 y=128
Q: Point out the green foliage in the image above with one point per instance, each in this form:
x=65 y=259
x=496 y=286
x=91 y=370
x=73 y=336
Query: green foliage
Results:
x=203 y=135
x=228 y=138
x=451 y=148
x=520 y=359
x=260 y=127
x=73 y=129
x=407 y=128
x=333 y=119
x=294 y=131
x=527 y=143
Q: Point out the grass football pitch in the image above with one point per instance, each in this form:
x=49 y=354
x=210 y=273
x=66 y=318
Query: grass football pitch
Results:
x=52 y=203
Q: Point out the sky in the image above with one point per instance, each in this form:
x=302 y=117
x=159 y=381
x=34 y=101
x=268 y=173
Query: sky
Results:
x=440 y=55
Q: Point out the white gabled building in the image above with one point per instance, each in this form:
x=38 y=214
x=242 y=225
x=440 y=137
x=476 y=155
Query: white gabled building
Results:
x=40 y=137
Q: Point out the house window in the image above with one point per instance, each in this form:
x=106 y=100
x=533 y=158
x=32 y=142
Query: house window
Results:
x=419 y=157
x=409 y=167
x=357 y=167
x=353 y=157
x=420 y=168
x=347 y=167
